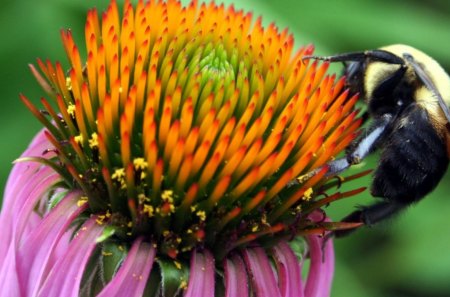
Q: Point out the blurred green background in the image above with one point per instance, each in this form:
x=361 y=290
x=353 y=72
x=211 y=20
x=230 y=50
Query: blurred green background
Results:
x=409 y=256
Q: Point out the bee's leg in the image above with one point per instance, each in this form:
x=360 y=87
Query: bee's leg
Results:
x=370 y=215
x=362 y=147
x=356 y=151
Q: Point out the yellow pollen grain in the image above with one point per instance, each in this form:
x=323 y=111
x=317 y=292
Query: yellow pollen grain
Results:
x=142 y=198
x=69 y=83
x=308 y=194
x=140 y=164
x=121 y=248
x=129 y=233
x=82 y=201
x=177 y=265
x=100 y=219
x=167 y=196
x=108 y=214
x=107 y=254
x=183 y=285
x=119 y=175
x=93 y=142
x=71 y=110
x=302 y=178
x=149 y=210
x=201 y=214
x=79 y=139
x=166 y=233
x=255 y=228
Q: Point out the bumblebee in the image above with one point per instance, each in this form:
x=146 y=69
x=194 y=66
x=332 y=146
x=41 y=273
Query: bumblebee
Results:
x=407 y=95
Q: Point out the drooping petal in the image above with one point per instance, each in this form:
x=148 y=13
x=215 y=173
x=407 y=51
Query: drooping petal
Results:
x=34 y=254
x=321 y=270
x=132 y=276
x=201 y=276
x=263 y=277
x=236 y=280
x=289 y=271
x=26 y=185
x=21 y=171
x=9 y=279
x=329 y=266
x=17 y=225
x=65 y=277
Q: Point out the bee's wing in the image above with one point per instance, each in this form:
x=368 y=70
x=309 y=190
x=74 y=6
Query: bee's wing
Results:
x=430 y=85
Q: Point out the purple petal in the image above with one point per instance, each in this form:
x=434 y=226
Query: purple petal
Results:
x=65 y=277
x=19 y=220
x=132 y=276
x=263 y=277
x=236 y=281
x=21 y=171
x=289 y=271
x=201 y=275
x=9 y=282
x=321 y=269
x=34 y=255
x=23 y=190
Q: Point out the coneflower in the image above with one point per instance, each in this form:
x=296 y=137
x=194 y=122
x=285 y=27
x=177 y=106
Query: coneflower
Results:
x=176 y=158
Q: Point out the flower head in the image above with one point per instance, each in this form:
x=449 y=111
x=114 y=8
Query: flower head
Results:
x=170 y=154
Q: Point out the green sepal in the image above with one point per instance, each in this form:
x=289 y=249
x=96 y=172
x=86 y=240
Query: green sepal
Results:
x=112 y=256
x=173 y=279
x=108 y=231
x=92 y=282
x=299 y=246
x=56 y=198
x=153 y=287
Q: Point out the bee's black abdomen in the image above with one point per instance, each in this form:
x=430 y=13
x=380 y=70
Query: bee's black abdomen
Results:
x=413 y=161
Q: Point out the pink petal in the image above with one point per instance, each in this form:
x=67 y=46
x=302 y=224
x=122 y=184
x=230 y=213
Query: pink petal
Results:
x=321 y=269
x=16 y=221
x=9 y=279
x=22 y=171
x=65 y=277
x=34 y=255
x=24 y=179
x=201 y=276
x=289 y=271
x=236 y=282
x=263 y=277
x=132 y=276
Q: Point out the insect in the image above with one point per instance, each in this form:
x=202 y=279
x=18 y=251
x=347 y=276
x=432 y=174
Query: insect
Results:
x=406 y=93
